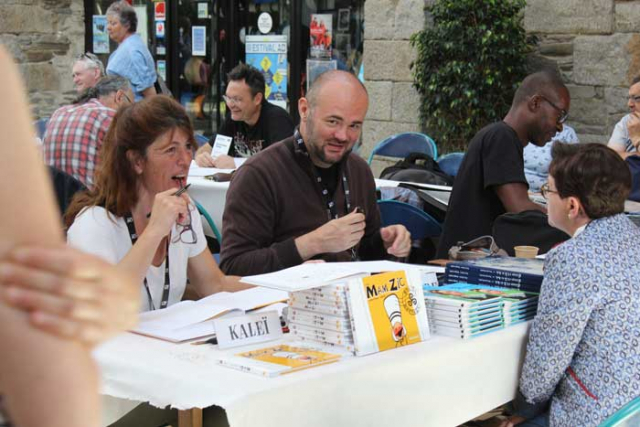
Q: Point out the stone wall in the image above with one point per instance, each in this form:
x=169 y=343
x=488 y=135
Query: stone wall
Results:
x=44 y=36
x=595 y=44
x=394 y=103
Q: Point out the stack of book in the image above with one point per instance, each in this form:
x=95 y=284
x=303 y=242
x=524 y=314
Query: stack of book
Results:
x=519 y=306
x=517 y=273
x=321 y=315
x=465 y=311
x=459 y=310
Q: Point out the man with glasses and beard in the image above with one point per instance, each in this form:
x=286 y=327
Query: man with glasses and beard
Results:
x=308 y=197
x=251 y=121
x=491 y=180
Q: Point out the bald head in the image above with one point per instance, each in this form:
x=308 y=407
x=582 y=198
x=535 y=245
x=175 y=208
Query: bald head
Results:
x=331 y=116
x=547 y=83
x=333 y=78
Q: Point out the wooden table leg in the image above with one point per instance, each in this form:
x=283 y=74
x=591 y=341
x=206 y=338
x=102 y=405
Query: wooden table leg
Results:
x=190 y=418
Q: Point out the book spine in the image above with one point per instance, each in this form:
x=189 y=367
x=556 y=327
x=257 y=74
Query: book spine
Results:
x=246 y=368
x=472 y=270
x=321 y=333
x=330 y=326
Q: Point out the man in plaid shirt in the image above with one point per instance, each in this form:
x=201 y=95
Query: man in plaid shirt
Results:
x=75 y=132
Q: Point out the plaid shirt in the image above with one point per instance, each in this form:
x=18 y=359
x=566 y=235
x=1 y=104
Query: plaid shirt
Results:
x=73 y=137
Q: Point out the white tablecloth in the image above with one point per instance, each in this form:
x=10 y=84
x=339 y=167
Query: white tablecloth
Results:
x=441 y=382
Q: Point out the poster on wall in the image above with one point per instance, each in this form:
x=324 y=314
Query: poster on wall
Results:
x=160 y=29
x=100 y=35
x=161 y=67
x=320 y=35
x=269 y=55
x=159 y=9
x=344 y=16
x=199 y=40
x=315 y=67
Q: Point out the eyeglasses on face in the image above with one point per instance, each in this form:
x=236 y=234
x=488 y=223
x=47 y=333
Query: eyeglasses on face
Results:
x=633 y=98
x=545 y=190
x=232 y=100
x=563 y=113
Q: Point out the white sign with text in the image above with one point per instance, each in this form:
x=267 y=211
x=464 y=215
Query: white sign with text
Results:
x=221 y=145
x=250 y=328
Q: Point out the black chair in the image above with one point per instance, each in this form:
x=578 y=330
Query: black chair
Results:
x=65 y=187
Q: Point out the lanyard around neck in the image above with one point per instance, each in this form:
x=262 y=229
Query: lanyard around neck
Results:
x=128 y=219
x=332 y=211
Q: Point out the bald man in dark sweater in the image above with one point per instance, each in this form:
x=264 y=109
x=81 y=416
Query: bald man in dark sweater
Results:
x=308 y=197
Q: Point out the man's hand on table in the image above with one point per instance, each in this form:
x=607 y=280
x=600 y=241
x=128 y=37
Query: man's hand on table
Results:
x=335 y=236
x=205 y=160
x=397 y=240
x=69 y=293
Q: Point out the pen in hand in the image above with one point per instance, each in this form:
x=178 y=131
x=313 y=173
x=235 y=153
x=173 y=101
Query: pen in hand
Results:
x=177 y=193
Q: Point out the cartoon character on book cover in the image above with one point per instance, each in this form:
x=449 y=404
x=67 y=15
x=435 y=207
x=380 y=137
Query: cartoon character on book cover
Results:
x=393 y=308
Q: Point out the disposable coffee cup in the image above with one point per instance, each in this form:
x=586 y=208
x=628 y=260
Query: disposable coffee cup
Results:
x=526 y=251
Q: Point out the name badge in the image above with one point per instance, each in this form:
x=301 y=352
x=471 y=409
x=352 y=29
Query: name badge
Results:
x=247 y=329
x=221 y=145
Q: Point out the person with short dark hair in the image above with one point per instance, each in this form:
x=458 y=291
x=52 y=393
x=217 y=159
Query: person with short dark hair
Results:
x=131 y=59
x=251 y=121
x=308 y=196
x=87 y=71
x=583 y=353
x=625 y=138
x=491 y=180
x=75 y=132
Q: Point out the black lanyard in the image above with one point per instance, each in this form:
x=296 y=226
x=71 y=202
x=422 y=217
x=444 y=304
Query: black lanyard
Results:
x=128 y=219
x=332 y=212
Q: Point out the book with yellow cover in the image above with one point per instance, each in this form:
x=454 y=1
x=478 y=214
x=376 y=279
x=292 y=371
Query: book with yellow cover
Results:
x=387 y=311
x=278 y=359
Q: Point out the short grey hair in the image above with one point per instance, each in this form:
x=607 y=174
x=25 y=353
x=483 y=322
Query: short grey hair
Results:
x=125 y=13
x=91 y=61
x=105 y=86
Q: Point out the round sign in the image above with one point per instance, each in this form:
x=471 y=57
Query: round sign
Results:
x=265 y=23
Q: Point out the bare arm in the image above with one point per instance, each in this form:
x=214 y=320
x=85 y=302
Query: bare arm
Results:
x=29 y=380
x=515 y=198
x=206 y=277
x=150 y=91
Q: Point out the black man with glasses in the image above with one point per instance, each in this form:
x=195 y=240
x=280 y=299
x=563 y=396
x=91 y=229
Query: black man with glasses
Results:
x=251 y=121
x=625 y=138
x=491 y=180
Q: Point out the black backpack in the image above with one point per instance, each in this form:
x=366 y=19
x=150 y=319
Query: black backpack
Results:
x=417 y=167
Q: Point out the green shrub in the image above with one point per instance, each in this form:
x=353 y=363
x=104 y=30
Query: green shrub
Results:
x=469 y=62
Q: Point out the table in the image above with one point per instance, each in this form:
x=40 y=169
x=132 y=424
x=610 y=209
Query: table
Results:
x=440 y=382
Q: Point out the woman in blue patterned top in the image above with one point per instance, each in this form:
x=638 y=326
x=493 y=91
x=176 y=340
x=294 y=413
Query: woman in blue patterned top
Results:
x=131 y=60
x=583 y=354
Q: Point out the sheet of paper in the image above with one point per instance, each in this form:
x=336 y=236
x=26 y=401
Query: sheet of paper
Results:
x=221 y=145
x=239 y=161
x=306 y=276
x=184 y=320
